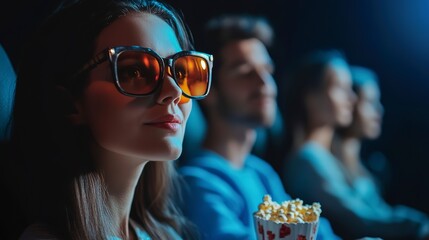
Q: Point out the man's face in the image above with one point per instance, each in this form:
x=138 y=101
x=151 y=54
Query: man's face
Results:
x=246 y=88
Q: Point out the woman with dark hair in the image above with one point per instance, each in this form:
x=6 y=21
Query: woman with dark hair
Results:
x=319 y=99
x=366 y=125
x=102 y=100
x=317 y=96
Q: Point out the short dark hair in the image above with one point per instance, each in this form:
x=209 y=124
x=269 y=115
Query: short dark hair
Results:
x=226 y=28
x=222 y=30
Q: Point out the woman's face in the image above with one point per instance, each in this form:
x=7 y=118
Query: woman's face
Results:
x=333 y=104
x=145 y=128
x=340 y=94
x=368 y=112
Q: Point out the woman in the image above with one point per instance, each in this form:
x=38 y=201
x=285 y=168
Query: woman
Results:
x=102 y=100
x=319 y=100
x=366 y=124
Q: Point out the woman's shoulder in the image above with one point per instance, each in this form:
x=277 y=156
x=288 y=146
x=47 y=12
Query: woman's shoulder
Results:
x=38 y=231
x=311 y=155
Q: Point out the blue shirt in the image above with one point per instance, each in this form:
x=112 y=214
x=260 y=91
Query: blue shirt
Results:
x=221 y=199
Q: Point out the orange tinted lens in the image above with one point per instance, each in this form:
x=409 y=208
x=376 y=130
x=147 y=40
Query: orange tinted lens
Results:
x=138 y=72
x=192 y=75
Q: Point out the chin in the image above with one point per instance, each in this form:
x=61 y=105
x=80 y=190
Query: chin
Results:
x=168 y=153
x=265 y=119
x=164 y=158
x=174 y=152
x=345 y=120
x=176 y=155
x=374 y=134
x=171 y=155
x=268 y=123
x=260 y=122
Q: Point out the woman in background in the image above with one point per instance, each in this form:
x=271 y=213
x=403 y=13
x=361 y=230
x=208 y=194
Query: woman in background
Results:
x=319 y=99
x=366 y=125
x=103 y=96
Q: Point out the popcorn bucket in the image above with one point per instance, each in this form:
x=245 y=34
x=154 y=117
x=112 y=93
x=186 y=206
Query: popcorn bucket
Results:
x=270 y=230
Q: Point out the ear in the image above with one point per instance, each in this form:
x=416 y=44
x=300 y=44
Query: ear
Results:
x=71 y=107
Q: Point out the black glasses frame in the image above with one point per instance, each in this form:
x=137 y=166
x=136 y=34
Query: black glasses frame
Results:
x=113 y=53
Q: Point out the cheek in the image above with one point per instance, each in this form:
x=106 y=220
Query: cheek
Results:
x=340 y=102
x=186 y=108
x=361 y=120
x=239 y=97
x=337 y=97
x=366 y=119
x=367 y=112
x=341 y=108
x=108 y=112
x=373 y=119
x=332 y=103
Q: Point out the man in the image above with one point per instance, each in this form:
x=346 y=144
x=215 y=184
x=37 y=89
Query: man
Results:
x=224 y=182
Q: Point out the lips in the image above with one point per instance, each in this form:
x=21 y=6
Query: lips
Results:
x=169 y=122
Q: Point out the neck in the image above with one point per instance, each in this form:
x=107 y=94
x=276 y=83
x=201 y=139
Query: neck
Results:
x=121 y=190
x=121 y=176
x=233 y=141
x=322 y=135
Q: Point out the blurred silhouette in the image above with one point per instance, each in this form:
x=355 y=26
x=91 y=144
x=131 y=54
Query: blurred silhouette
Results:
x=319 y=99
x=366 y=124
x=224 y=181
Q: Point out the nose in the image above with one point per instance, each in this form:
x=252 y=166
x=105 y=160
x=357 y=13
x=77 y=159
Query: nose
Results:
x=170 y=92
x=265 y=78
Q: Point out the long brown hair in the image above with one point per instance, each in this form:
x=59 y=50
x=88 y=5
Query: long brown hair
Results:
x=62 y=187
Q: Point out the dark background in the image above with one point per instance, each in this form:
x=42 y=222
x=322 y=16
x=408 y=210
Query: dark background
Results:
x=389 y=36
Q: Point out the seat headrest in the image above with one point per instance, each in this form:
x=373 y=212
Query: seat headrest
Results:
x=7 y=93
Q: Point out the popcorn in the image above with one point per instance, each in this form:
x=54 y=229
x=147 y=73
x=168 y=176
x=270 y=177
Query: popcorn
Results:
x=292 y=211
x=288 y=220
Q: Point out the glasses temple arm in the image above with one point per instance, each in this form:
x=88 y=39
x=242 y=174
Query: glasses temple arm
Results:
x=101 y=57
